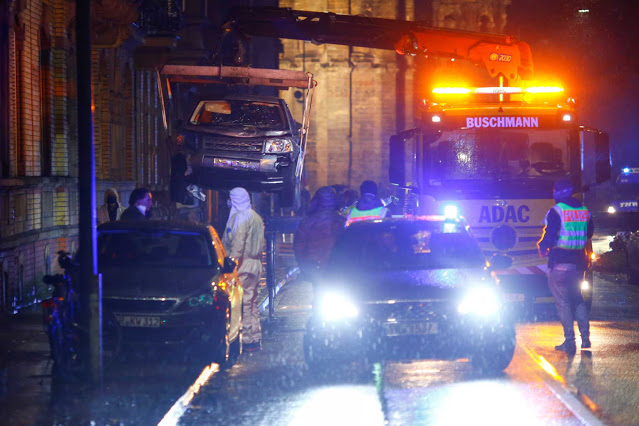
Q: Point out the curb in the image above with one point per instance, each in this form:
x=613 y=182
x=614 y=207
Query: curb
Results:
x=290 y=275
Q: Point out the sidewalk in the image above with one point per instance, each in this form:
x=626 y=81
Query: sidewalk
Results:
x=25 y=368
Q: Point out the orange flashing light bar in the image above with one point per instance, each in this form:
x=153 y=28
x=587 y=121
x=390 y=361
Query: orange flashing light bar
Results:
x=496 y=90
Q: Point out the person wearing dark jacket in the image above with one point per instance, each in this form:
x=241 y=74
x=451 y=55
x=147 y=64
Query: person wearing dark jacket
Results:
x=140 y=202
x=568 y=229
x=317 y=233
x=369 y=205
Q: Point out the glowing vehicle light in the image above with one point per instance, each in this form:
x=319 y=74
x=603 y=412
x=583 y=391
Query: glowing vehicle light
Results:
x=566 y=117
x=612 y=210
x=497 y=90
x=626 y=170
x=451 y=90
x=593 y=257
x=451 y=211
x=436 y=119
x=334 y=307
x=479 y=301
x=584 y=10
x=545 y=89
x=585 y=285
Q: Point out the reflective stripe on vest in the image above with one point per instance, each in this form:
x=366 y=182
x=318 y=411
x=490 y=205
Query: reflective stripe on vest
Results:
x=356 y=215
x=573 y=234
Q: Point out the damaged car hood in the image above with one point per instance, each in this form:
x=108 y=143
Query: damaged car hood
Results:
x=237 y=132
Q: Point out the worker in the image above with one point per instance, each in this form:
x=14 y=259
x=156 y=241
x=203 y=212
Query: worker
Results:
x=568 y=228
x=243 y=240
x=369 y=206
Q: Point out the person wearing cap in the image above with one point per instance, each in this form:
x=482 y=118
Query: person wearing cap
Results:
x=111 y=210
x=568 y=228
x=243 y=240
x=369 y=206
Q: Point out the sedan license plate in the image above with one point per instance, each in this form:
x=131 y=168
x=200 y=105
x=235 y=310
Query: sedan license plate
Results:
x=137 y=321
x=410 y=328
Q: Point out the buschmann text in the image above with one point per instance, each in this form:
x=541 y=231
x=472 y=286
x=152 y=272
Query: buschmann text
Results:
x=478 y=122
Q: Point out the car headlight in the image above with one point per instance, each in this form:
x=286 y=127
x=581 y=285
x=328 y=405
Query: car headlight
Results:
x=335 y=306
x=481 y=301
x=611 y=210
x=276 y=146
x=585 y=285
x=201 y=300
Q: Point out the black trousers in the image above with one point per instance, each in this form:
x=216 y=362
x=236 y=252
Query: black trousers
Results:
x=564 y=280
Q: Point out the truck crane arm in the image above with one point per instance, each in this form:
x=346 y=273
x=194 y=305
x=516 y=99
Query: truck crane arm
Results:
x=499 y=54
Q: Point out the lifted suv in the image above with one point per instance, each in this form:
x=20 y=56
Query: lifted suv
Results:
x=248 y=141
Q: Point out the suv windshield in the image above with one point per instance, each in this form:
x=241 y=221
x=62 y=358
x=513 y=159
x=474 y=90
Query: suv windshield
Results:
x=157 y=248
x=406 y=246
x=242 y=113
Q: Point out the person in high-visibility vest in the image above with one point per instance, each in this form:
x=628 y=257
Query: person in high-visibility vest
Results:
x=369 y=205
x=568 y=228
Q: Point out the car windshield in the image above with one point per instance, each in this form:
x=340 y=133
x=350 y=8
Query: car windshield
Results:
x=134 y=248
x=406 y=246
x=239 y=113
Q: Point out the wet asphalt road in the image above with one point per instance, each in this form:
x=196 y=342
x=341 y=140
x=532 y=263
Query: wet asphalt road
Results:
x=541 y=386
x=273 y=386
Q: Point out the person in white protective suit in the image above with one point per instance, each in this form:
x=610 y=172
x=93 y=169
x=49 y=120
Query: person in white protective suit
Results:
x=243 y=240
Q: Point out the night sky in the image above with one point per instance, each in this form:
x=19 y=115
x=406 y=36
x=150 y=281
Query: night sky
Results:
x=596 y=55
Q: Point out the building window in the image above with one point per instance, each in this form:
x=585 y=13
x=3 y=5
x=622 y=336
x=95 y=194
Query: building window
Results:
x=47 y=260
x=46 y=94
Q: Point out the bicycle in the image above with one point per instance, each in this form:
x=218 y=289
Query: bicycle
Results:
x=61 y=321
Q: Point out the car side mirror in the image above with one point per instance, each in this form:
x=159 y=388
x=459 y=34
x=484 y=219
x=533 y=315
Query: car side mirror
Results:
x=229 y=265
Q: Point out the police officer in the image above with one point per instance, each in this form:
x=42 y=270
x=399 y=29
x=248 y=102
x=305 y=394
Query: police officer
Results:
x=369 y=205
x=568 y=228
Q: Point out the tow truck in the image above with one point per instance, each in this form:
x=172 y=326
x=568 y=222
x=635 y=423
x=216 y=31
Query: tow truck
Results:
x=488 y=152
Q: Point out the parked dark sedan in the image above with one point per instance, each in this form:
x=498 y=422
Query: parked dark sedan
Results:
x=171 y=283
x=409 y=287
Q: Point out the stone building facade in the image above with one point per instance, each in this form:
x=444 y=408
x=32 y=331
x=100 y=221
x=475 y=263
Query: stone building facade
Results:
x=366 y=95
x=38 y=132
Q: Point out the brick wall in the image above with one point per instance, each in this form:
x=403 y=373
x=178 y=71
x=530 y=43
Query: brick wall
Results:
x=39 y=214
